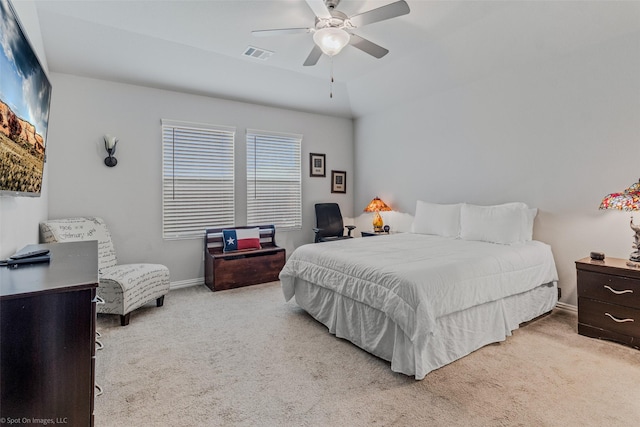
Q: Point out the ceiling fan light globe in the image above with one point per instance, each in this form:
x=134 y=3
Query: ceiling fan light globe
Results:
x=331 y=40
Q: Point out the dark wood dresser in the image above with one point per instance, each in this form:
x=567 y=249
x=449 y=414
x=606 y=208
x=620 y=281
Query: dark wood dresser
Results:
x=609 y=300
x=47 y=338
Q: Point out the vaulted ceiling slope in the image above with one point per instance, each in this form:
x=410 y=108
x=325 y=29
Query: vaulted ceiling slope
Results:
x=197 y=46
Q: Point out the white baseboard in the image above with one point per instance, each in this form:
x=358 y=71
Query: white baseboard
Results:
x=186 y=283
x=565 y=306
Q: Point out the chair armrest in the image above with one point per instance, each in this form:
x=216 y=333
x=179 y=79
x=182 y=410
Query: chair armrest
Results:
x=349 y=228
x=317 y=232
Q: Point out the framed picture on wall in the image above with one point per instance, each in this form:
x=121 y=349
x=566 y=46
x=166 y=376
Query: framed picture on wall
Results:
x=317 y=165
x=338 y=182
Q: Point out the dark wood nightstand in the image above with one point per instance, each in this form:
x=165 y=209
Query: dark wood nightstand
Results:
x=375 y=233
x=609 y=300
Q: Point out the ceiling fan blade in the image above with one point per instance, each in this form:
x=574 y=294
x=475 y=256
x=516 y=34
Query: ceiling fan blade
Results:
x=313 y=57
x=319 y=8
x=280 y=31
x=367 y=46
x=389 y=11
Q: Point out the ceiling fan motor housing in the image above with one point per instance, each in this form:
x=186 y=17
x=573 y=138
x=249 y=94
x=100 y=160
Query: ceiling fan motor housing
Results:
x=332 y=4
x=337 y=20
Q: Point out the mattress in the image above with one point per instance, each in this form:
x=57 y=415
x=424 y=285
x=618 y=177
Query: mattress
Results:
x=404 y=297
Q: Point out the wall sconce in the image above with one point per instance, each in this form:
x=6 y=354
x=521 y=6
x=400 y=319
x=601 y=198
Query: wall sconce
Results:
x=110 y=143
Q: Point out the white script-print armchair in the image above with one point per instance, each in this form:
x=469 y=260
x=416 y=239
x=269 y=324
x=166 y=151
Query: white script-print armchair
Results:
x=123 y=287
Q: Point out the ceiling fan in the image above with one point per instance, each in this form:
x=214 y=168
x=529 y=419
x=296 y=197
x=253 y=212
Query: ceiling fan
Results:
x=332 y=30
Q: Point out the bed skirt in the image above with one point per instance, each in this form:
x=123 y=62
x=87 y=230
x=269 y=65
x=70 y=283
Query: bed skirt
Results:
x=456 y=334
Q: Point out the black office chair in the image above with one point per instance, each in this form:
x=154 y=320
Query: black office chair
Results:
x=329 y=225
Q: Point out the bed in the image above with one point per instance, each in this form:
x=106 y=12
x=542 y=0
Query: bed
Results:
x=422 y=299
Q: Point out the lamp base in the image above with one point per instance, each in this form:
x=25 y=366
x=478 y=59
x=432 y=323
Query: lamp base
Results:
x=633 y=264
x=377 y=222
x=635 y=255
x=110 y=161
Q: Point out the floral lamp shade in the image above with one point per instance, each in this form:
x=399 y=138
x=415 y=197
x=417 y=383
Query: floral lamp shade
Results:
x=628 y=200
x=376 y=205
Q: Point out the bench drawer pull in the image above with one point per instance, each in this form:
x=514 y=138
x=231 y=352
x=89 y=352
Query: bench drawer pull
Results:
x=626 y=291
x=615 y=319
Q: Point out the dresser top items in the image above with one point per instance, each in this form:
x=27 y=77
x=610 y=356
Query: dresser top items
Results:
x=73 y=265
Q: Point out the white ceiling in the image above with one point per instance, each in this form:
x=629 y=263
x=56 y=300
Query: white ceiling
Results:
x=197 y=46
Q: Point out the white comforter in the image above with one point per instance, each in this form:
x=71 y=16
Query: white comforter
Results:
x=415 y=278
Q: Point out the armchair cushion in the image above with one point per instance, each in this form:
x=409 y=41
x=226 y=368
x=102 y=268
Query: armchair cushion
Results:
x=141 y=282
x=80 y=229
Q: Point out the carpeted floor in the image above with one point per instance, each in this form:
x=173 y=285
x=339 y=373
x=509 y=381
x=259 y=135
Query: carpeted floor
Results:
x=244 y=357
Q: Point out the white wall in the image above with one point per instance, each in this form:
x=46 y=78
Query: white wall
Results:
x=558 y=135
x=128 y=196
x=19 y=216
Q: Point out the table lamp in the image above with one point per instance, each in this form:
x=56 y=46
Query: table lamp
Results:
x=628 y=200
x=376 y=205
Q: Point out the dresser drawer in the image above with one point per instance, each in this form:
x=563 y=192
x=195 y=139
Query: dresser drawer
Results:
x=608 y=288
x=615 y=318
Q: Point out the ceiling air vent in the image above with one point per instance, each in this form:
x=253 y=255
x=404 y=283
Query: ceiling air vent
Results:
x=256 y=52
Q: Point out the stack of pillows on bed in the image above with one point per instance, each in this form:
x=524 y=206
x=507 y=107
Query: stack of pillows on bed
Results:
x=508 y=223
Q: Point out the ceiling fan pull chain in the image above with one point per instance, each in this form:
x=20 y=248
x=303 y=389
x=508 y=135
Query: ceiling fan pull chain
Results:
x=331 y=80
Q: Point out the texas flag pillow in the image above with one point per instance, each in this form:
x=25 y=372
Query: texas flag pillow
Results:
x=241 y=238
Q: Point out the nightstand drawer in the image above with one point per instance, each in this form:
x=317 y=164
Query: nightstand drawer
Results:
x=608 y=288
x=614 y=318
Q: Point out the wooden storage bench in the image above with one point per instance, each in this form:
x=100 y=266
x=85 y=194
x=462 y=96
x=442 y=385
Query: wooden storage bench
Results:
x=227 y=270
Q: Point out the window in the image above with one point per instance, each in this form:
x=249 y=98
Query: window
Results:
x=197 y=178
x=274 y=189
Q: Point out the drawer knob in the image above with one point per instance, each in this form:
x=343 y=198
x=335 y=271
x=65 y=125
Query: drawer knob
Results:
x=626 y=291
x=615 y=319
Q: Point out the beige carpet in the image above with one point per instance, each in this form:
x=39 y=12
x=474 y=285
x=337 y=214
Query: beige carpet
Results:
x=245 y=357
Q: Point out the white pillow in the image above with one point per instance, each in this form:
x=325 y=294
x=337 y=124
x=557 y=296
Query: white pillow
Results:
x=529 y=217
x=508 y=223
x=441 y=220
x=527 y=228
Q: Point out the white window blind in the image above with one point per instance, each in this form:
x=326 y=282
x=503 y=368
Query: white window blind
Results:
x=197 y=178
x=274 y=189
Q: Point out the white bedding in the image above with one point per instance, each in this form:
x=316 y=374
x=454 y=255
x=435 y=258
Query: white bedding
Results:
x=417 y=279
